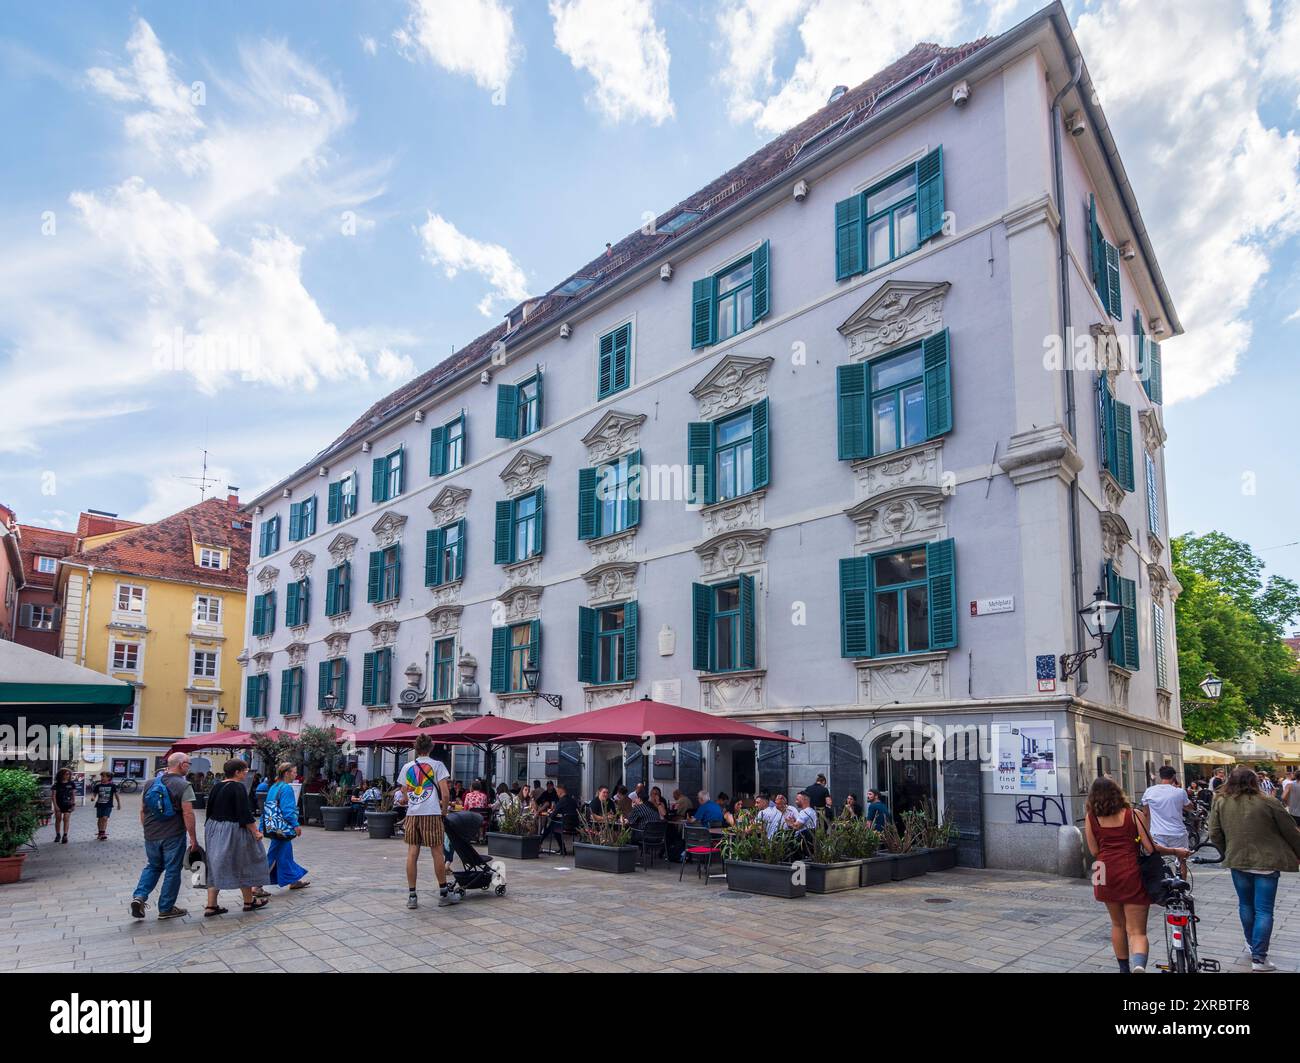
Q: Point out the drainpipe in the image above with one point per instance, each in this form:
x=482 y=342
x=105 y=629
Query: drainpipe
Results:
x=85 y=614
x=1066 y=320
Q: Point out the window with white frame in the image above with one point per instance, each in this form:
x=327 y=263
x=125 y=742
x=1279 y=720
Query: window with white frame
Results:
x=205 y=664
x=200 y=720
x=46 y=564
x=126 y=656
x=130 y=598
x=209 y=558
x=131 y=713
x=207 y=609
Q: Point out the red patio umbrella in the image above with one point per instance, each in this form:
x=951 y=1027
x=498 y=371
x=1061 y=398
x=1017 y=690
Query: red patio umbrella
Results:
x=275 y=734
x=482 y=732
x=635 y=721
x=388 y=734
x=216 y=740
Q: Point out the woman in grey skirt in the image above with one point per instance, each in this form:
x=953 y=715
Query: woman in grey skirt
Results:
x=235 y=859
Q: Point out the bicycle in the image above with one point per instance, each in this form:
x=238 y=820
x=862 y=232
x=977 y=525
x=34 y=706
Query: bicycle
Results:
x=1196 y=819
x=1181 y=945
x=127 y=786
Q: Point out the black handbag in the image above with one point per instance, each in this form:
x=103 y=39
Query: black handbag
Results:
x=1151 y=866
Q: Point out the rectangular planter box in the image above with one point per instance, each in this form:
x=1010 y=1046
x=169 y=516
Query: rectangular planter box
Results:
x=833 y=878
x=514 y=846
x=770 y=880
x=617 y=860
x=878 y=869
x=944 y=858
x=909 y=865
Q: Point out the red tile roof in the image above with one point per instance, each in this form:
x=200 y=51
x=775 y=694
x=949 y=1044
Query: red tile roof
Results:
x=165 y=549
x=43 y=542
x=89 y=524
x=922 y=64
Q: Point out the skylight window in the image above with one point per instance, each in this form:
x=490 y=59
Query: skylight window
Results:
x=679 y=221
x=574 y=286
x=907 y=80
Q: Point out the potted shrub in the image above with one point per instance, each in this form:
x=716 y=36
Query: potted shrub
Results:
x=830 y=867
x=516 y=835
x=862 y=843
x=380 y=821
x=756 y=863
x=940 y=838
x=19 y=794
x=337 y=808
x=909 y=859
x=604 y=846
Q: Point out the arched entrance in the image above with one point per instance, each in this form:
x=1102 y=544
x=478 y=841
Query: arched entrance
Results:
x=903 y=773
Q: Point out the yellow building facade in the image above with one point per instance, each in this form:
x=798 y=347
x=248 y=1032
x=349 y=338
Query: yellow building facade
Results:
x=161 y=606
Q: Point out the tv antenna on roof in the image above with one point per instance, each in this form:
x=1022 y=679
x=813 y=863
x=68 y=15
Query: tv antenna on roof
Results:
x=202 y=481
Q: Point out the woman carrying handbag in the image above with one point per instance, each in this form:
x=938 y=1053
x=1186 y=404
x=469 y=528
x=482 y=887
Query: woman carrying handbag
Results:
x=1118 y=838
x=280 y=827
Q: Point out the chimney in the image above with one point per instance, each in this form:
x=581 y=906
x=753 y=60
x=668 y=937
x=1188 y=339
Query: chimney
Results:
x=232 y=498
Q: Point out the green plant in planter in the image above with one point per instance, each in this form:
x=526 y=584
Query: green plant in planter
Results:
x=904 y=841
x=858 y=840
x=937 y=832
x=319 y=747
x=609 y=832
x=19 y=793
x=748 y=841
x=336 y=797
x=519 y=821
x=827 y=845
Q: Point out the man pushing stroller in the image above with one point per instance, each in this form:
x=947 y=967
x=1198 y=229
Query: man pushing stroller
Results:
x=424 y=785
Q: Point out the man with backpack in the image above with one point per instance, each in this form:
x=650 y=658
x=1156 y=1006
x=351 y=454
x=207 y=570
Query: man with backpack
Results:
x=167 y=816
x=424 y=785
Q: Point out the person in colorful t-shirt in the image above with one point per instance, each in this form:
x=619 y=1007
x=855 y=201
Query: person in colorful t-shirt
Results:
x=424 y=784
x=105 y=795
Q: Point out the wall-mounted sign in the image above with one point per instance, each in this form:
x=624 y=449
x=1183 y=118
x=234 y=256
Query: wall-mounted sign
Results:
x=985 y=606
x=1045 y=670
x=1026 y=757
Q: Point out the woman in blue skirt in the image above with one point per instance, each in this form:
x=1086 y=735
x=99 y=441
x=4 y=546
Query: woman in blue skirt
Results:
x=279 y=828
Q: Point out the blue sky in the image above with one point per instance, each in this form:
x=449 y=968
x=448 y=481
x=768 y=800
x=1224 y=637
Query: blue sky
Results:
x=350 y=190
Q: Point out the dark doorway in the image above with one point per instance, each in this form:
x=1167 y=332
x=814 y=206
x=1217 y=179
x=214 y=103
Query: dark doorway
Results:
x=743 y=777
x=690 y=768
x=846 y=769
x=773 y=766
x=907 y=778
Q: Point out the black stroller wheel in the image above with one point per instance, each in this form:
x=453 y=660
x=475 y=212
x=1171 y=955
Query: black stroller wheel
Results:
x=501 y=890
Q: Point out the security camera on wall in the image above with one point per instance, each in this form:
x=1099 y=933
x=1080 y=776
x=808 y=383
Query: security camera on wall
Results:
x=1076 y=124
x=485 y=377
x=960 y=94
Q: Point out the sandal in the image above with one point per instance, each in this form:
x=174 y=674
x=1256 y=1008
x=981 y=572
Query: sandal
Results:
x=258 y=902
x=300 y=885
x=208 y=913
x=258 y=891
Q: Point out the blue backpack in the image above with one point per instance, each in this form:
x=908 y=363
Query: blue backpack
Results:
x=158 y=799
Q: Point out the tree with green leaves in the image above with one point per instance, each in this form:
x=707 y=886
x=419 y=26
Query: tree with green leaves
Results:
x=1231 y=621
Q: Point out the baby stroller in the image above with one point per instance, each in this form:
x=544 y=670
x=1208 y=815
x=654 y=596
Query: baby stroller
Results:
x=461 y=828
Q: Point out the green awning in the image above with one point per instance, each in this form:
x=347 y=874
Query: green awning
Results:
x=43 y=689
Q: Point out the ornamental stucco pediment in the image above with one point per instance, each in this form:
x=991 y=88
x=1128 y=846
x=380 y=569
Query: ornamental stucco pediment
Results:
x=341 y=547
x=615 y=434
x=267 y=576
x=449 y=505
x=736 y=381
x=301 y=563
x=899 y=312
x=525 y=472
x=388 y=528
x=905 y=516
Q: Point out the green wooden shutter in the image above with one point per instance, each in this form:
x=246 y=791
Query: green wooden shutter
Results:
x=535 y=643
x=855 y=594
x=588 y=514
x=699 y=454
x=304 y=601
x=541 y=404
x=702 y=313
x=848 y=237
x=385 y=687
x=762 y=464
x=701 y=626
x=634 y=483
x=1153 y=496
x=344 y=596
x=938 y=384
x=851 y=402
x=605 y=373
x=1115 y=644
x=1113 y=301
x=507 y=411
x=762 y=271
x=379 y=480
x=503 y=550
x=342 y=691
x=368 y=679
x=460 y=552
x=1154 y=381
x=1096 y=251
x=432 y=557
x=250 y=697
x=1128 y=599
x=499 y=676
x=322 y=683
x=748 y=635
x=331 y=592
x=929 y=196
x=586 y=645
x=291 y=605
x=1158 y=646
x=622 y=371
x=295 y=521
x=630 y=626
x=1124 y=445
x=437 y=451
x=284 y=692
x=397 y=570
x=1106 y=422
x=374 y=586
x=540 y=495
x=257 y=614
x=269 y=623
x=941 y=570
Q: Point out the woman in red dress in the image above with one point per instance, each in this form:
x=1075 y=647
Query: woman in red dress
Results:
x=1113 y=830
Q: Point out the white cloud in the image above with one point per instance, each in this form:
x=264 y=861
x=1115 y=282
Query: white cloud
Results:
x=448 y=247
x=626 y=54
x=475 y=38
x=1189 y=116
x=369 y=45
x=844 y=43
x=394 y=367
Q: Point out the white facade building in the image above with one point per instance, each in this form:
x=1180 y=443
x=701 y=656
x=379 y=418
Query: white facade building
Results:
x=845 y=346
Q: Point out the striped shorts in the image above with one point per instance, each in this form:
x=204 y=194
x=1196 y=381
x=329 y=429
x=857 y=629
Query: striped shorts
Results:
x=423 y=830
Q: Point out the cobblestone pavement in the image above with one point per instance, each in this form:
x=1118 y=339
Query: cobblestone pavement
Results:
x=69 y=913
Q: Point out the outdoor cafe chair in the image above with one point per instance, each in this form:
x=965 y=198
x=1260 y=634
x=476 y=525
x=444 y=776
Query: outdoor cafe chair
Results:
x=698 y=843
x=652 y=837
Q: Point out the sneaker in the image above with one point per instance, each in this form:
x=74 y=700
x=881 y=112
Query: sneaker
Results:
x=1136 y=969
x=65 y=839
x=138 y=908
x=444 y=898
x=1243 y=957
x=173 y=913
x=412 y=901
x=1261 y=966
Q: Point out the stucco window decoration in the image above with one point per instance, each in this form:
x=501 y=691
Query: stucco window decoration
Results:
x=449 y=506
x=734 y=383
x=444 y=621
x=336 y=643
x=525 y=472
x=899 y=313
x=1115 y=535
x=732 y=552
x=267 y=577
x=301 y=563
x=615 y=434
x=342 y=547
x=388 y=528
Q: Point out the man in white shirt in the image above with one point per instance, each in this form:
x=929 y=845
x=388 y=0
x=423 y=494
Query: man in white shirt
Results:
x=1164 y=803
x=803 y=817
x=424 y=786
x=768 y=814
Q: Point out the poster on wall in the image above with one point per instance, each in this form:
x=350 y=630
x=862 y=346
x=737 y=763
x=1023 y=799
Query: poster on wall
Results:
x=1026 y=757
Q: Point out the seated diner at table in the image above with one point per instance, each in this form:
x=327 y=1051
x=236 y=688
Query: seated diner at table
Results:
x=709 y=813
